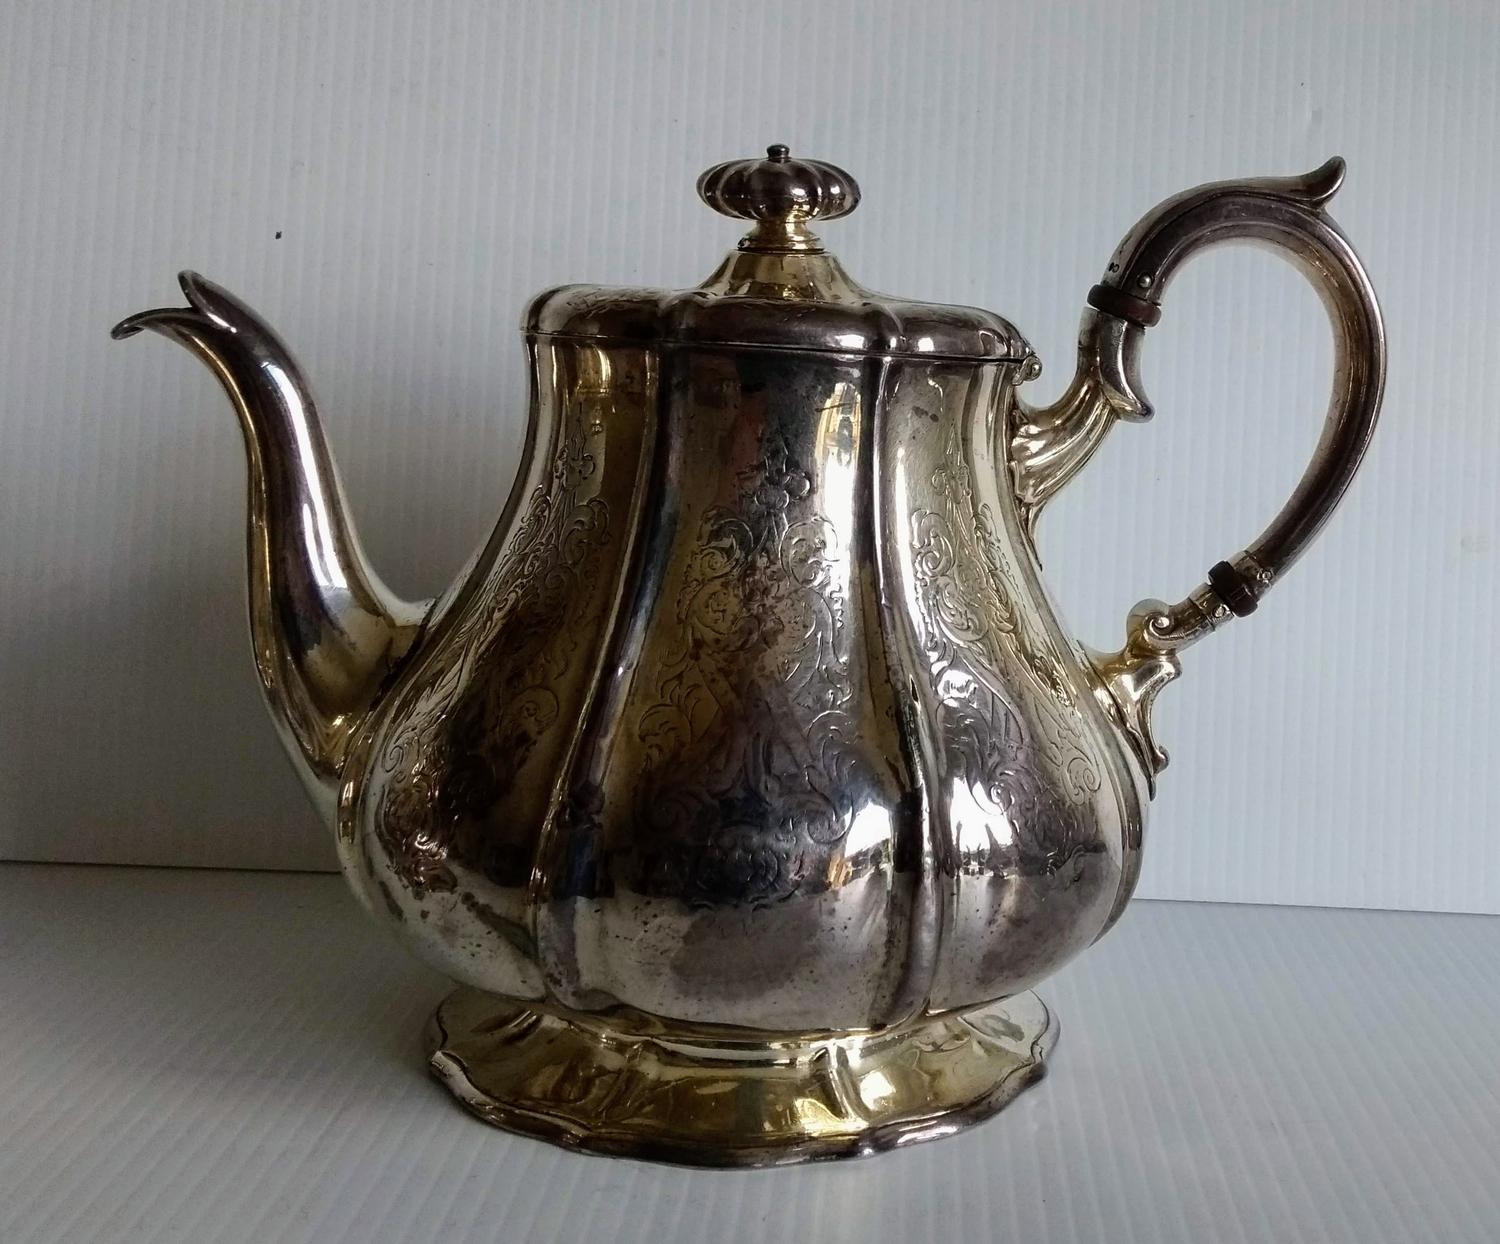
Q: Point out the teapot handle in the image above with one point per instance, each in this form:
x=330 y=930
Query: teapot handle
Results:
x=1050 y=444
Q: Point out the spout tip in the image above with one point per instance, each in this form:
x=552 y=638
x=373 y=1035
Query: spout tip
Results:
x=162 y=320
x=205 y=303
x=130 y=325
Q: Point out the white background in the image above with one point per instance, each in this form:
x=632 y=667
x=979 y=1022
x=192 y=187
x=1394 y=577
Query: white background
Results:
x=388 y=182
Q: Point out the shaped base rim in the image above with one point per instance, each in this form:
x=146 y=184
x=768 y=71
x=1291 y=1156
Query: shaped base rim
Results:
x=677 y=1095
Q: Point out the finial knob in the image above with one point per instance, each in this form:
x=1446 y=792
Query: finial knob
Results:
x=782 y=195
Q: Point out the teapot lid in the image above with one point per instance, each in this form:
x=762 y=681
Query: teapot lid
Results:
x=780 y=289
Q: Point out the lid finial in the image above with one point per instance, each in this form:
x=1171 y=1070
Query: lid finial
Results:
x=781 y=195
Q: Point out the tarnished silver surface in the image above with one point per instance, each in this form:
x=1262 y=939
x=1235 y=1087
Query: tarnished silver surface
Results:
x=751 y=727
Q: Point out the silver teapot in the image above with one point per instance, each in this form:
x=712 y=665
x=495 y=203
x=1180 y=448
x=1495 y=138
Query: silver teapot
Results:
x=746 y=779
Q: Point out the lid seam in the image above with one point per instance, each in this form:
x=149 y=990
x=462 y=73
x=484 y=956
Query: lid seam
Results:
x=533 y=334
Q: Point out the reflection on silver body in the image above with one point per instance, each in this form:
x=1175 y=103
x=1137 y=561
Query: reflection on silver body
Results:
x=747 y=779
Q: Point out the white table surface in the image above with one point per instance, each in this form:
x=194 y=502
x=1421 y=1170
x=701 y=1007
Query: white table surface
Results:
x=219 y=1056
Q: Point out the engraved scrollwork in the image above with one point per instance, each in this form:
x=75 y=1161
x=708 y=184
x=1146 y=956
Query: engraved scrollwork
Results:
x=457 y=750
x=1061 y=739
x=748 y=738
x=972 y=632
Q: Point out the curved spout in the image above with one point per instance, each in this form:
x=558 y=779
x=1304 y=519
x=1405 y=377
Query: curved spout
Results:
x=327 y=633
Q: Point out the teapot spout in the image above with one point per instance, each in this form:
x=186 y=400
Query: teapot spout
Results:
x=327 y=634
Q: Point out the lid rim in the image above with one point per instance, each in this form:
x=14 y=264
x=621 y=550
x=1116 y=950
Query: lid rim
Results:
x=849 y=320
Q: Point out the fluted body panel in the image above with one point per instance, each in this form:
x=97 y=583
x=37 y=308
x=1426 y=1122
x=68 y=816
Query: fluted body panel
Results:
x=445 y=805
x=1034 y=806
x=747 y=759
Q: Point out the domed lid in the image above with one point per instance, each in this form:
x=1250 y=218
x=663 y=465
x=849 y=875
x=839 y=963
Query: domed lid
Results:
x=780 y=289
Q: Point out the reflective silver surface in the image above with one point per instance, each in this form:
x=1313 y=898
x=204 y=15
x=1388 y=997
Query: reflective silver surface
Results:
x=752 y=726
x=327 y=634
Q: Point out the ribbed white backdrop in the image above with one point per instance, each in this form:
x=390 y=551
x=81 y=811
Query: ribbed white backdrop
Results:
x=388 y=182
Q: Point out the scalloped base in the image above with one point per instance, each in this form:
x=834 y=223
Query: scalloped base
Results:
x=676 y=1095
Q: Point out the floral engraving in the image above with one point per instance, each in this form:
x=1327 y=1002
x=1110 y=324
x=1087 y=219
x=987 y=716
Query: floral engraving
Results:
x=748 y=738
x=972 y=632
x=462 y=742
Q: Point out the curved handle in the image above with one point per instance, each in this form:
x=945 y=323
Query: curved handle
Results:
x=1049 y=445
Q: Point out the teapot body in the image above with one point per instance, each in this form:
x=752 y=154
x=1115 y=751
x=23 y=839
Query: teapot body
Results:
x=754 y=711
